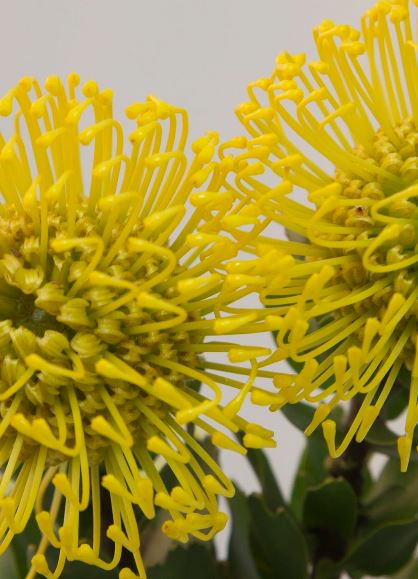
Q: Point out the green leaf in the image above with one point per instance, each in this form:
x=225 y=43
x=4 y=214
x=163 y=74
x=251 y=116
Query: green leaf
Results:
x=394 y=497
x=355 y=574
x=381 y=435
x=311 y=471
x=300 y=414
x=331 y=509
x=386 y=550
x=389 y=532
x=391 y=451
x=77 y=569
x=398 y=397
x=327 y=569
x=277 y=542
x=240 y=556
x=192 y=561
x=408 y=572
x=193 y=384
x=296 y=366
x=268 y=482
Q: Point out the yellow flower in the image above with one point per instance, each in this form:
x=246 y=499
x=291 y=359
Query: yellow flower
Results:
x=341 y=134
x=107 y=299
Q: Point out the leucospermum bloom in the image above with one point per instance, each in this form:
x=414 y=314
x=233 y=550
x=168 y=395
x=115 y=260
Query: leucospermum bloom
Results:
x=107 y=300
x=333 y=158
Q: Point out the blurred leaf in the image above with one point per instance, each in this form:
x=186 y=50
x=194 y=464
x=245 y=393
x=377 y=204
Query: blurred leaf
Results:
x=76 y=569
x=327 y=569
x=367 y=481
x=330 y=514
x=399 y=396
x=355 y=574
x=381 y=435
x=311 y=471
x=385 y=550
x=383 y=487
x=279 y=545
x=394 y=496
x=23 y=547
x=192 y=561
x=268 y=481
x=8 y=566
x=300 y=414
x=391 y=451
x=389 y=533
x=408 y=572
x=331 y=509
x=193 y=384
x=240 y=556
x=296 y=366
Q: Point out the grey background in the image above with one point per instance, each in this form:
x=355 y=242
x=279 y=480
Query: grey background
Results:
x=199 y=54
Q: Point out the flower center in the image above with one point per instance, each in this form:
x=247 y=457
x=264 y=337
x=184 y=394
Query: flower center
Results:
x=59 y=316
x=370 y=226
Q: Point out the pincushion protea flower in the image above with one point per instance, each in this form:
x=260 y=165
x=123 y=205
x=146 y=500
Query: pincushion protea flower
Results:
x=339 y=137
x=107 y=299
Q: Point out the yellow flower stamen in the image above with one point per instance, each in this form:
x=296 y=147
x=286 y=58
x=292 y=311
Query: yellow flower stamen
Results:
x=108 y=301
x=341 y=137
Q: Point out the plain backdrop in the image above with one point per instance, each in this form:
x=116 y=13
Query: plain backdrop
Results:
x=197 y=54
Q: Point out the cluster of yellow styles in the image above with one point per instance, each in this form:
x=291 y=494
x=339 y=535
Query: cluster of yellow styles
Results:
x=128 y=276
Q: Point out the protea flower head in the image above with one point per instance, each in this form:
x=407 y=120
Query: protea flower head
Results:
x=111 y=292
x=333 y=159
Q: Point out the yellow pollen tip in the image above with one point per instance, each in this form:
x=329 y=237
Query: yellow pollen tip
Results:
x=229 y=325
x=255 y=441
x=126 y=573
x=237 y=355
x=159 y=446
x=100 y=425
x=117 y=277
x=40 y=565
x=86 y=554
x=329 y=429
x=262 y=398
x=222 y=441
x=404 y=450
